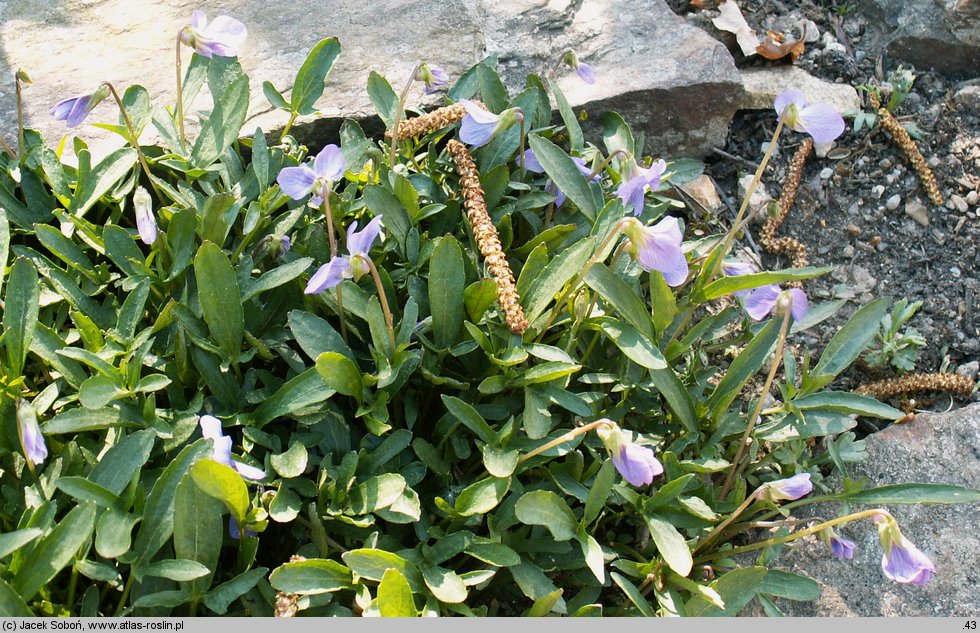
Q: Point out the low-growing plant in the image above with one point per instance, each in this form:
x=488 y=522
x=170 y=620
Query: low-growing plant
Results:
x=472 y=368
x=896 y=346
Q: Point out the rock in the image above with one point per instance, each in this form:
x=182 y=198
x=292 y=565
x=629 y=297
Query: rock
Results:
x=933 y=448
x=959 y=203
x=826 y=173
x=684 y=106
x=703 y=190
x=917 y=211
x=926 y=33
x=892 y=203
x=968 y=98
x=760 y=197
x=973 y=197
x=763 y=83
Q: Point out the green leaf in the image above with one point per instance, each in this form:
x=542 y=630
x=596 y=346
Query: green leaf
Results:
x=748 y=362
x=114 y=533
x=177 y=570
x=538 y=587
x=470 y=418
x=224 y=484
x=93 y=183
x=633 y=594
x=383 y=97
x=499 y=463
x=592 y=552
x=624 y=299
x=478 y=297
x=565 y=174
x=667 y=493
x=849 y=341
x=634 y=345
x=292 y=463
x=13 y=541
x=311 y=577
x=492 y=89
x=447 y=280
x=395 y=596
x=482 y=496
x=198 y=531
x=384 y=203
x=373 y=563
x=575 y=138
x=220 y=298
x=616 y=134
x=678 y=398
x=315 y=335
x=310 y=79
x=221 y=597
x=555 y=275
x=274 y=97
x=444 y=584
x=736 y=589
x=4 y=242
x=56 y=550
x=299 y=392
x=229 y=85
x=78 y=420
x=84 y=490
x=496 y=554
x=340 y=374
x=21 y=308
x=913 y=493
x=277 y=277
x=543 y=507
x=848 y=403
x=11 y=604
x=375 y=493
x=547 y=371
x=670 y=544
x=789 y=585
x=728 y=285
x=181 y=236
x=599 y=492
x=98 y=391
x=158 y=512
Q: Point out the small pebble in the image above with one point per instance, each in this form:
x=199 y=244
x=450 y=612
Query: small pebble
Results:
x=848 y=251
x=918 y=212
x=959 y=203
x=973 y=197
x=933 y=162
x=853 y=229
x=955 y=272
x=881 y=247
x=885 y=163
x=826 y=173
x=970 y=370
x=877 y=191
x=892 y=203
x=853 y=209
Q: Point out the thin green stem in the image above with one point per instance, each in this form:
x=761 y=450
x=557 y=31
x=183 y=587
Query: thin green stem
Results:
x=605 y=163
x=289 y=125
x=595 y=300
x=567 y=437
x=561 y=58
x=332 y=238
x=135 y=141
x=730 y=236
x=20 y=114
x=121 y=607
x=713 y=534
x=792 y=537
x=180 y=98
x=776 y=361
x=389 y=323
x=613 y=234
x=399 y=112
x=4 y=146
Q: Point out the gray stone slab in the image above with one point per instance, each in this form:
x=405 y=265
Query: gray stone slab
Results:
x=670 y=79
x=935 y=448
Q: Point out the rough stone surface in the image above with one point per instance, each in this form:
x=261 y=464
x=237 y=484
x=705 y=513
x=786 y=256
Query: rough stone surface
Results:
x=763 y=83
x=666 y=77
x=933 y=448
x=940 y=34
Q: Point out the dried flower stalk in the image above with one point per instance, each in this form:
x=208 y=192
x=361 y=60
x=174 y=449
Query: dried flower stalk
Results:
x=287 y=604
x=790 y=245
x=904 y=141
x=432 y=121
x=914 y=383
x=487 y=238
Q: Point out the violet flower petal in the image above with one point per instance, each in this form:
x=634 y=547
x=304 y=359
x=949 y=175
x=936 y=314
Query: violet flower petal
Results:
x=247 y=471
x=789 y=489
x=585 y=72
x=531 y=162
x=822 y=122
x=360 y=242
x=842 y=548
x=637 y=464
x=660 y=250
x=906 y=564
x=329 y=164
x=296 y=182
x=787 y=98
x=800 y=306
x=329 y=275
x=762 y=301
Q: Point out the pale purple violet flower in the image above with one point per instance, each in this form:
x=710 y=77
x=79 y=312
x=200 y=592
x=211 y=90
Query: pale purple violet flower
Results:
x=35 y=450
x=585 y=72
x=737 y=269
x=658 y=247
x=637 y=464
x=73 y=110
x=479 y=125
x=789 y=489
x=223 y=36
x=211 y=429
x=532 y=165
x=433 y=77
x=146 y=224
x=819 y=120
x=632 y=190
x=299 y=182
x=766 y=300
x=902 y=562
x=842 y=548
x=350 y=266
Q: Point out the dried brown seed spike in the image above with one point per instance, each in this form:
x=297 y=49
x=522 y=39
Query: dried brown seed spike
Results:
x=485 y=234
x=904 y=141
x=787 y=197
x=915 y=383
x=435 y=120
